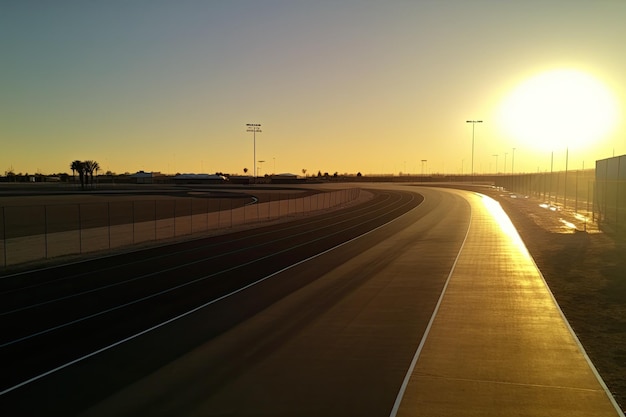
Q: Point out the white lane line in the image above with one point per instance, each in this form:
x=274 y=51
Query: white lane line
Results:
x=156 y=246
x=187 y=313
x=409 y=372
x=581 y=347
x=170 y=289
x=512 y=229
x=178 y=266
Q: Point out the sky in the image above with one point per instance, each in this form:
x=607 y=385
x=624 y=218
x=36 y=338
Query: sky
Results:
x=347 y=86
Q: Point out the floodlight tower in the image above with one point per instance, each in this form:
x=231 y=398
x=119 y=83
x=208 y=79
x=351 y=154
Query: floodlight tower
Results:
x=473 y=122
x=254 y=128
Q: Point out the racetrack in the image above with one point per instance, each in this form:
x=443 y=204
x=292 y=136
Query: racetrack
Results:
x=321 y=316
x=68 y=312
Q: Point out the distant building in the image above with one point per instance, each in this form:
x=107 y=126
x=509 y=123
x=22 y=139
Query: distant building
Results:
x=142 y=177
x=240 y=179
x=199 y=179
x=286 y=178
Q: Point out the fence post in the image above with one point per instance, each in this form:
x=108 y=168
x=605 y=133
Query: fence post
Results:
x=219 y=212
x=133 y=213
x=45 y=226
x=80 y=229
x=593 y=213
x=616 y=187
x=4 y=235
x=190 y=215
x=576 y=193
x=109 y=222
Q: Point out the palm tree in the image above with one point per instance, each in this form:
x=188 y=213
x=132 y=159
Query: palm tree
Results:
x=75 y=166
x=90 y=167
x=80 y=167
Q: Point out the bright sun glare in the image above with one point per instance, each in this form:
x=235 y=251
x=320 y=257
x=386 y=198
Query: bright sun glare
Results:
x=558 y=109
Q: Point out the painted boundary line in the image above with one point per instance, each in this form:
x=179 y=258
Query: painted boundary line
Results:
x=407 y=377
x=187 y=313
x=405 y=383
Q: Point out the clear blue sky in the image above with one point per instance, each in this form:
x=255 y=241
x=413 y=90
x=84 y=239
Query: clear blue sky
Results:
x=346 y=86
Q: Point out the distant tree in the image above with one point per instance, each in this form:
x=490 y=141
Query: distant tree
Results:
x=90 y=167
x=79 y=166
x=304 y=171
x=358 y=174
x=245 y=170
x=319 y=173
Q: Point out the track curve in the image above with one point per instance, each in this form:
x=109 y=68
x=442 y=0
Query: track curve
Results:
x=53 y=316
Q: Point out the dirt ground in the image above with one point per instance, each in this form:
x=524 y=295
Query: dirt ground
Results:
x=586 y=271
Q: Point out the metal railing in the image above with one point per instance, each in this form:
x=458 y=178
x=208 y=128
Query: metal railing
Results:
x=601 y=200
x=573 y=190
x=36 y=232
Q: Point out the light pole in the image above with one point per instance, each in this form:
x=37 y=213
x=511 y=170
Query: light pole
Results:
x=496 y=162
x=504 y=169
x=261 y=165
x=473 y=122
x=254 y=128
x=513 y=161
x=565 y=179
x=423 y=162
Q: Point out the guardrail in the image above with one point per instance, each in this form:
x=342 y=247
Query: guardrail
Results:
x=31 y=233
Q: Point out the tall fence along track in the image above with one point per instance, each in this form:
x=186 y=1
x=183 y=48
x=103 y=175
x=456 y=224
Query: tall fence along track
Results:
x=39 y=232
x=599 y=195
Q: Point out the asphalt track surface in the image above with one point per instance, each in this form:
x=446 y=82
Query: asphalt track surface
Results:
x=324 y=316
x=54 y=317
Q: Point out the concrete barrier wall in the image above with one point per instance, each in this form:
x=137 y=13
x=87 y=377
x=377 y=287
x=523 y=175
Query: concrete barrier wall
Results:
x=34 y=233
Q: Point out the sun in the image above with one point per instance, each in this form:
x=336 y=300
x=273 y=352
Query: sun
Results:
x=558 y=109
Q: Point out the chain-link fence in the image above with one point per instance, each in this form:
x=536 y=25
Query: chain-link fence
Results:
x=599 y=195
x=572 y=190
x=30 y=233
